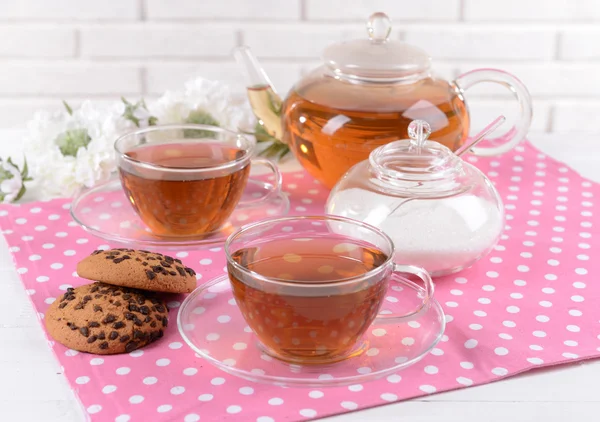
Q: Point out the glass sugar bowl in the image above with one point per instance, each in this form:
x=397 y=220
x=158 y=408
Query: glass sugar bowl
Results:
x=442 y=213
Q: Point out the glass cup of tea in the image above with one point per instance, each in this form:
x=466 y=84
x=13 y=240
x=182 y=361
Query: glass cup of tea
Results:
x=309 y=287
x=187 y=179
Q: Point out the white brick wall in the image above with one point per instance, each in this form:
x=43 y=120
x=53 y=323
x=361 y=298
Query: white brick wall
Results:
x=76 y=49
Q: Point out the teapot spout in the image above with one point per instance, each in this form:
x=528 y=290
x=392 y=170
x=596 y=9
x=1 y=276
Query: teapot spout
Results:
x=264 y=100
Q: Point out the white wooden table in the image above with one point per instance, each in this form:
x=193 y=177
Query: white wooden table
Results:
x=32 y=387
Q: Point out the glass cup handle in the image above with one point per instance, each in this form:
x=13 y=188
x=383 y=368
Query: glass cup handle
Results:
x=514 y=85
x=275 y=187
x=427 y=290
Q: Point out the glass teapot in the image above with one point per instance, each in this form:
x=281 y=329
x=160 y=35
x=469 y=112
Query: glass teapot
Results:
x=365 y=95
x=442 y=213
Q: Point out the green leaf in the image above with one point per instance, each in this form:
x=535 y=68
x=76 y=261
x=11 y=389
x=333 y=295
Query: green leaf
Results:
x=130 y=109
x=25 y=171
x=68 y=107
x=200 y=117
x=70 y=141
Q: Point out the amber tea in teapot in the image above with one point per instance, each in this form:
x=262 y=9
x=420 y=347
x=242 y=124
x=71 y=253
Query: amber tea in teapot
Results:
x=331 y=128
x=364 y=95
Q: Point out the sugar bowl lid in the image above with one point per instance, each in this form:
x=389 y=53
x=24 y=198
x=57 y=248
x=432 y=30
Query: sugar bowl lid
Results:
x=416 y=159
x=377 y=57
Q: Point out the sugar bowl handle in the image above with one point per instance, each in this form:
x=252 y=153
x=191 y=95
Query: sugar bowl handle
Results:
x=514 y=85
x=425 y=292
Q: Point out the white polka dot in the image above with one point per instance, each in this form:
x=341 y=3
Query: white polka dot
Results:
x=492 y=274
x=539 y=333
x=82 y=380
x=107 y=389
x=175 y=345
x=177 y=390
x=581 y=271
x=389 y=397
x=570 y=355
x=136 y=399
x=163 y=362
x=223 y=319
x=512 y=309
x=431 y=370
x=535 y=361
x=501 y=351
x=467 y=365
x=150 y=380
x=123 y=370
x=545 y=304
x=456 y=292
x=378 y=332
x=275 y=401
x=435 y=351
x=573 y=328
x=212 y=337
x=35 y=257
x=350 y=405
x=542 y=318
x=536 y=347
x=246 y=391
x=484 y=301
x=500 y=371
x=570 y=343
x=475 y=327
x=192 y=417
x=95 y=408
x=206 y=261
x=373 y=351
x=394 y=379
x=464 y=381
x=509 y=324
x=408 y=341
x=96 y=361
x=471 y=343
x=520 y=283
x=577 y=298
x=234 y=408
x=56 y=266
x=205 y=397
x=479 y=313
x=451 y=304
x=523 y=268
x=575 y=312
x=163 y=408
x=136 y=353
x=217 y=381
x=265 y=419
x=427 y=388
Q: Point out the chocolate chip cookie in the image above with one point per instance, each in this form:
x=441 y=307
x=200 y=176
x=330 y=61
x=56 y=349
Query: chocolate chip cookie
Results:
x=138 y=269
x=103 y=319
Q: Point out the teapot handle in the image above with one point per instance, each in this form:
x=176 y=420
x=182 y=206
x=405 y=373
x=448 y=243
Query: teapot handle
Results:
x=516 y=135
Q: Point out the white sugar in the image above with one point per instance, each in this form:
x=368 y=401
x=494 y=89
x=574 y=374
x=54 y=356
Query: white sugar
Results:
x=438 y=234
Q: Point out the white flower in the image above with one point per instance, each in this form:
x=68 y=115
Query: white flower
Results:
x=69 y=151
x=204 y=101
x=12 y=182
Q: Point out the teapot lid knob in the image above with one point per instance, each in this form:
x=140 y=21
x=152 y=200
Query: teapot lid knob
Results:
x=418 y=132
x=379 y=27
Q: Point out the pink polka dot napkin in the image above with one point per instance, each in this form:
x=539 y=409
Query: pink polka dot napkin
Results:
x=532 y=302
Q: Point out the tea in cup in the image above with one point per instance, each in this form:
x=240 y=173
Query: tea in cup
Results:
x=186 y=180
x=310 y=287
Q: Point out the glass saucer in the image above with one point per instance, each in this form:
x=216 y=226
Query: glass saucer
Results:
x=212 y=325
x=105 y=212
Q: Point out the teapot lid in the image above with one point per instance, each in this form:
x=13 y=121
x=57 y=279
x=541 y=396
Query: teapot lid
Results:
x=377 y=58
x=415 y=160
